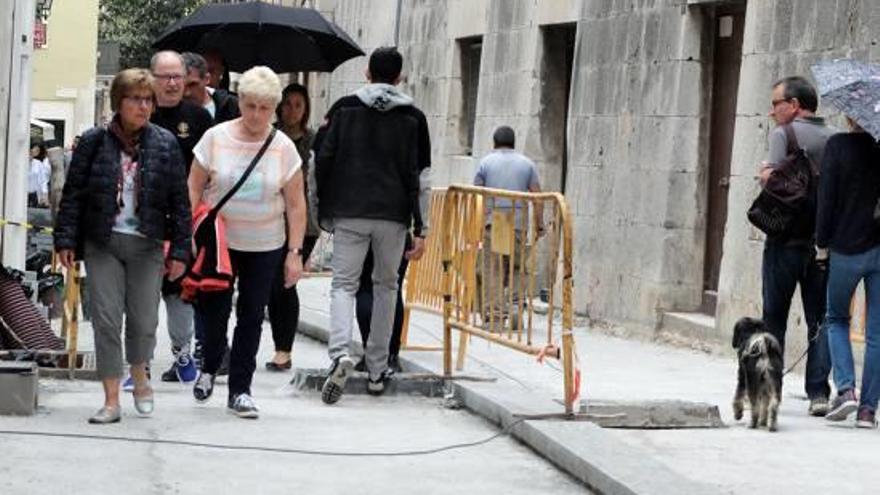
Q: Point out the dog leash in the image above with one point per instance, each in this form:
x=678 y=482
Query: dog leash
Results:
x=793 y=366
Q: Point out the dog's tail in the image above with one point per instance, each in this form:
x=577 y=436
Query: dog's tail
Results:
x=761 y=345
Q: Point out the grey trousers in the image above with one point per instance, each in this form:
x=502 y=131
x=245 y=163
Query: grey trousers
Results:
x=180 y=322
x=125 y=277
x=351 y=240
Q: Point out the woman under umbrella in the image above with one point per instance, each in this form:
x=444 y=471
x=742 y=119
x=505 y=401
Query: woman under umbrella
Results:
x=293 y=120
x=265 y=222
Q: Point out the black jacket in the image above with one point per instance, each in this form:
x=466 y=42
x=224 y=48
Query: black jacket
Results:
x=225 y=106
x=89 y=204
x=849 y=189
x=368 y=162
x=187 y=122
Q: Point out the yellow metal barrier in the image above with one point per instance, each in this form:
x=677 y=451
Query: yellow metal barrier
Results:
x=485 y=280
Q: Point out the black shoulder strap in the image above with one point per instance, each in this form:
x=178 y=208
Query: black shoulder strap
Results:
x=229 y=194
x=792 y=145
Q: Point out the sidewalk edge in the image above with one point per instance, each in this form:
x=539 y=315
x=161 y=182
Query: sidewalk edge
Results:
x=603 y=463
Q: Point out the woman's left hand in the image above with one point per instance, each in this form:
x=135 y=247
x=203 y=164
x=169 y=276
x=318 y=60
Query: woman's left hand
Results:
x=293 y=269
x=174 y=269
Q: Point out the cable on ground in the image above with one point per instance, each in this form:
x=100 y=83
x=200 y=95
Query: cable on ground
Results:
x=276 y=450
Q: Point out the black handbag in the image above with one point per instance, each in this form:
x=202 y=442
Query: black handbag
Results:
x=786 y=205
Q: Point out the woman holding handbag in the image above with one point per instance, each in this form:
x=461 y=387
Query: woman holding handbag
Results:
x=125 y=193
x=250 y=175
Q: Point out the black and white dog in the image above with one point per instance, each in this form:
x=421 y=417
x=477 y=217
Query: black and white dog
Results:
x=760 y=372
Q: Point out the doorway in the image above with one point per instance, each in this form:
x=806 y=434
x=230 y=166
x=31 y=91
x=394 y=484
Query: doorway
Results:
x=727 y=26
x=556 y=72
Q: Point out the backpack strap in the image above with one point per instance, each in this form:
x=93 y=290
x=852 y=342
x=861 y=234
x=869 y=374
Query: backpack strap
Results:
x=792 y=145
x=231 y=192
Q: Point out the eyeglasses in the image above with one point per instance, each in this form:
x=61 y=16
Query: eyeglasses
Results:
x=140 y=100
x=777 y=102
x=169 y=77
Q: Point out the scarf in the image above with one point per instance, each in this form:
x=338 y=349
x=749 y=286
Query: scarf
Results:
x=131 y=145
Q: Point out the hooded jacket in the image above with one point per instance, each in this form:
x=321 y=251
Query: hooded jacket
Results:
x=373 y=159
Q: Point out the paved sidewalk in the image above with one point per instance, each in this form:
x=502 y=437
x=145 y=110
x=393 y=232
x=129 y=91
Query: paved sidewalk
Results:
x=289 y=420
x=807 y=456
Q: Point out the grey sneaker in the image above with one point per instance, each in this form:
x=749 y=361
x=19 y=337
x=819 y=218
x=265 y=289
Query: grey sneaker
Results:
x=106 y=415
x=204 y=387
x=865 y=418
x=844 y=404
x=818 y=407
x=243 y=406
x=334 y=385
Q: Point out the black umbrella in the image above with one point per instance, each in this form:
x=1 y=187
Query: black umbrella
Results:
x=286 y=39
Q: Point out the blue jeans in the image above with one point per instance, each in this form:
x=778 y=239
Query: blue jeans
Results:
x=846 y=272
x=783 y=268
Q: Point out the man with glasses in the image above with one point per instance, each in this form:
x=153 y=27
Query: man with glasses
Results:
x=792 y=260
x=187 y=122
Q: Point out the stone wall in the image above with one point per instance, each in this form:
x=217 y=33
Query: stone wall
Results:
x=637 y=123
x=782 y=37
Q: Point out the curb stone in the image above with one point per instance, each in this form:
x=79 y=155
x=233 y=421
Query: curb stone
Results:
x=583 y=450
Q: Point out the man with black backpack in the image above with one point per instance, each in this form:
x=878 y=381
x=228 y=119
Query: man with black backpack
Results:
x=791 y=259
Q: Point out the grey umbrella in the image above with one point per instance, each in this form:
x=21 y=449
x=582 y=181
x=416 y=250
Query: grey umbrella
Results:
x=853 y=88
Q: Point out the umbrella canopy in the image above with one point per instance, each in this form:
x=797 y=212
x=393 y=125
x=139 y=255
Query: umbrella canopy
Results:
x=853 y=88
x=286 y=39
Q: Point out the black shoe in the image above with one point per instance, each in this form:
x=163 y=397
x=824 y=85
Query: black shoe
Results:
x=361 y=365
x=377 y=386
x=204 y=387
x=223 y=370
x=273 y=366
x=334 y=385
x=170 y=375
x=394 y=364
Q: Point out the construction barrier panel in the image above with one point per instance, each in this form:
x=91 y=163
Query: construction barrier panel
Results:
x=495 y=260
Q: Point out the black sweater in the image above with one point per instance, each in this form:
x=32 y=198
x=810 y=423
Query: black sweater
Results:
x=368 y=163
x=848 y=191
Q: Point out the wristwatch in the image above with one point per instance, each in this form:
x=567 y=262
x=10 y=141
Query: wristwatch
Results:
x=295 y=250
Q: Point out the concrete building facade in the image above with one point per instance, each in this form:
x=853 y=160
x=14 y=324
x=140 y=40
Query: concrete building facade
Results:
x=64 y=71
x=650 y=115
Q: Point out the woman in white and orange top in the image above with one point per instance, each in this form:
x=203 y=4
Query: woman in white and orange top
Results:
x=255 y=229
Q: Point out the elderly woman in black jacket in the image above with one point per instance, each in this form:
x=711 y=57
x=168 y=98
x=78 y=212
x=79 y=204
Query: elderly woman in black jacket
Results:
x=125 y=194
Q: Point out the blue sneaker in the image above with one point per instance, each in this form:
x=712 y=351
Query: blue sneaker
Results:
x=128 y=384
x=186 y=368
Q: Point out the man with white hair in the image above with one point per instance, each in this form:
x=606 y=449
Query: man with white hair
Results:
x=188 y=122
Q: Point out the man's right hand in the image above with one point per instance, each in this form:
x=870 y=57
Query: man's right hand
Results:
x=66 y=258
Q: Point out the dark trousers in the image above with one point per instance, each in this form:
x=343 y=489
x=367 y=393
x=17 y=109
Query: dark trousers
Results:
x=284 y=305
x=783 y=268
x=255 y=272
x=364 y=300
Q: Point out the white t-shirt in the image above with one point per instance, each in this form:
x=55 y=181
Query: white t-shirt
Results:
x=254 y=216
x=38 y=176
